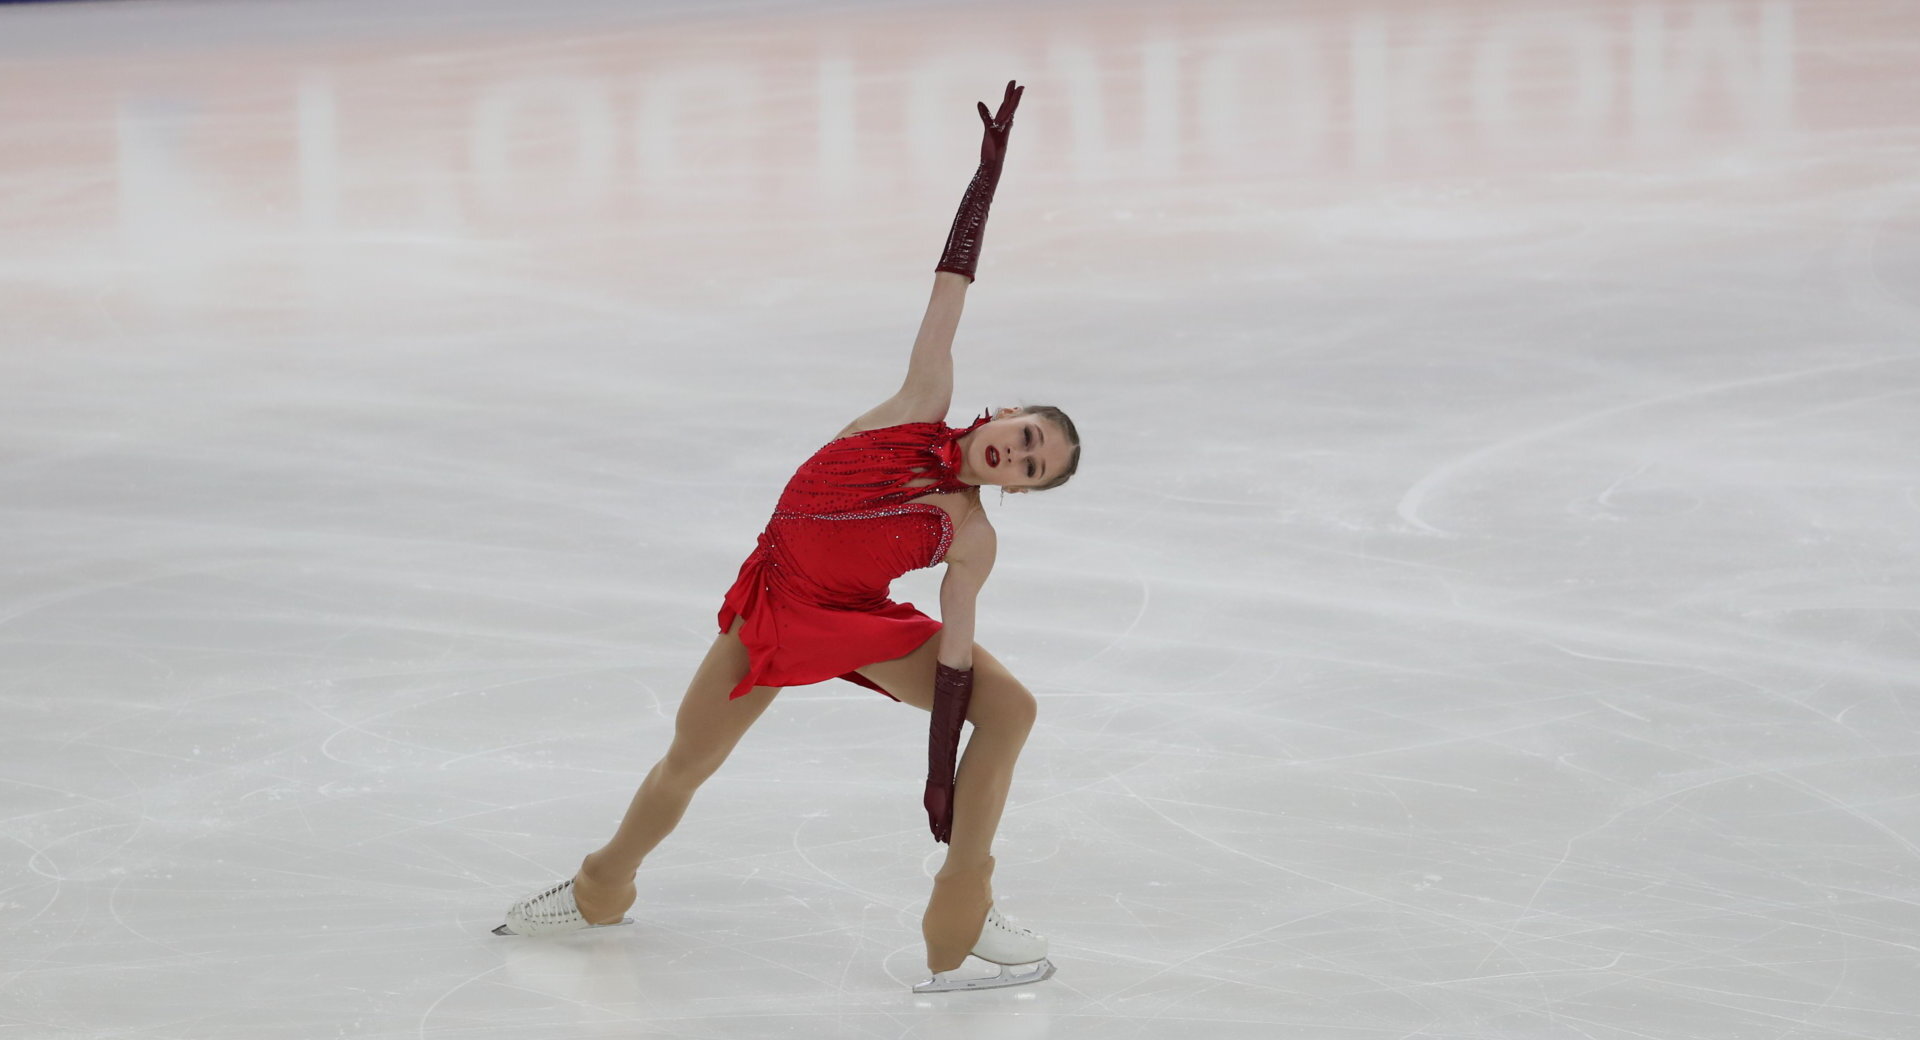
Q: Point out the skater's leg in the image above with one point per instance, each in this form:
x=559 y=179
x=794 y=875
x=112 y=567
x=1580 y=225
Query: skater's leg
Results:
x=1002 y=713
x=706 y=729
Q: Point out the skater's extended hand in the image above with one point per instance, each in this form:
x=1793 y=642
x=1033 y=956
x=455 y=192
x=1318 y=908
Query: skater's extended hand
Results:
x=939 y=803
x=993 y=146
x=952 y=692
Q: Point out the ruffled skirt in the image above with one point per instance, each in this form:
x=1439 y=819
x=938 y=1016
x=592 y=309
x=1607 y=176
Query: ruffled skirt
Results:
x=794 y=640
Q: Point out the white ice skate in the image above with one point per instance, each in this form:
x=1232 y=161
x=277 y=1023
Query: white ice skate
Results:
x=549 y=913
x=1021 y=954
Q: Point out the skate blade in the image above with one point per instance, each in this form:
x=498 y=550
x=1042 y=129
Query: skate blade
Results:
x=951 y=981
x=504 y=930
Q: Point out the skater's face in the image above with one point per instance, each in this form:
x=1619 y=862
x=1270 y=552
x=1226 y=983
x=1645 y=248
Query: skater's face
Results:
x=1014 y=451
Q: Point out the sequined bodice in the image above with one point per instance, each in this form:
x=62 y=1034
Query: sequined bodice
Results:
x=845 y=525
x=876 y=468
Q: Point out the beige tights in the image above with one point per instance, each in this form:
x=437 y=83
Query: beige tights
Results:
x=705 y=731
x=709 y=726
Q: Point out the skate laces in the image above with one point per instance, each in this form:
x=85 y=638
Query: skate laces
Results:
x=554 y=906
x=996 y=920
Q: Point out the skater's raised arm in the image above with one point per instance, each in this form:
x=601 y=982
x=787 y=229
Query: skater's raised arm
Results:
x=930 y=371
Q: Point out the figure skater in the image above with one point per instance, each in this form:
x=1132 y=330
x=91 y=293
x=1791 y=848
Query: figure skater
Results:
x=894 y=491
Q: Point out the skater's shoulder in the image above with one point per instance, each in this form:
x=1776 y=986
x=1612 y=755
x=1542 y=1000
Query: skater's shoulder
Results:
x=902 y=409
x=974 y=543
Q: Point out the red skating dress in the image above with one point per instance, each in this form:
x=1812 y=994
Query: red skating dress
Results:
x=814 y=591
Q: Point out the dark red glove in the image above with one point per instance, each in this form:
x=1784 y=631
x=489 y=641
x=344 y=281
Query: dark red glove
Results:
x=952 y=689
x=962 y=254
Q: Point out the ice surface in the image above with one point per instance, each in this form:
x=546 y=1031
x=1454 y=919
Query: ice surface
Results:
x=1487 y=608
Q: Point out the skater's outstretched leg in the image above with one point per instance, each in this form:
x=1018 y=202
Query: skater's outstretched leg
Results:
x=706 y=729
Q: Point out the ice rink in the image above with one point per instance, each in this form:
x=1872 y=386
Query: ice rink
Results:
x=1488 y=608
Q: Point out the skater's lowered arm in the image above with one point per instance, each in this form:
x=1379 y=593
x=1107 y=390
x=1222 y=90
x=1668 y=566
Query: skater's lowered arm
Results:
x=969 y=561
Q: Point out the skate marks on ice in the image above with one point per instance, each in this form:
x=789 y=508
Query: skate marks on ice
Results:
x=1412 y=504
x=1517 y=640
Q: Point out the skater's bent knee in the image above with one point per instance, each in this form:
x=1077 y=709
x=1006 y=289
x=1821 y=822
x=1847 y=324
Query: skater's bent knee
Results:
x=1011 y=709
x=1025 y=709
